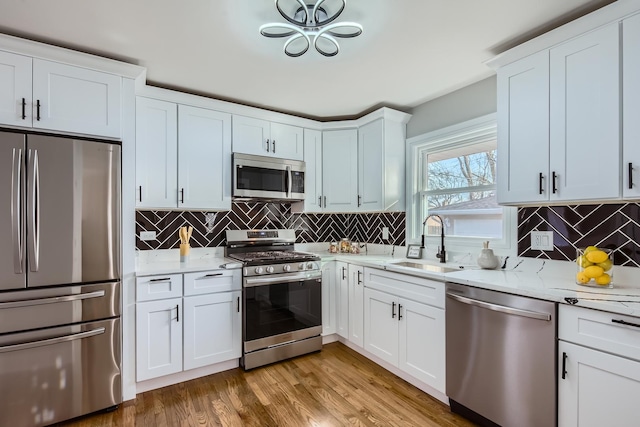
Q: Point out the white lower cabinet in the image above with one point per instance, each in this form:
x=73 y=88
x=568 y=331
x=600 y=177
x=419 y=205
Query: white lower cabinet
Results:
x=211 y=329
x=356 y=304
x=402 y=327
x=198 y=326
x=329 y=299
x=598 y=368
x=158 y=338
x=342 y=288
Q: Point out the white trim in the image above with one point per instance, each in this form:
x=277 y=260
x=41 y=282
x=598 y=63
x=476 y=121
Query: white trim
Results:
x=470 y=132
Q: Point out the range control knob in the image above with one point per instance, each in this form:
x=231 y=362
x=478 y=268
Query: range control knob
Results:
x=269 y=269
x=286 y=267
x=259 y=270
x=301 y=266
x=310 y=266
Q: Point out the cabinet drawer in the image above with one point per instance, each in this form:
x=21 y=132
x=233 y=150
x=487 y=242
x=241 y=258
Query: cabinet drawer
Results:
x=600 y=330
x=207 y=282
x=151 y=288
x=418 y=289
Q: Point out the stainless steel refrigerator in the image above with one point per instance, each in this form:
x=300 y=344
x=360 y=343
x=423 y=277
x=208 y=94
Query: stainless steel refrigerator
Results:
x=60 y=345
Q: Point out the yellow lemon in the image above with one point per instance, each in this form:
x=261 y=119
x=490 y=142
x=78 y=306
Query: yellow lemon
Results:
x=603 y=280
x=606 y=265
x=593 y=271
x=590 y=249
x=597 y=256
x=583 y=261
x=582 y=278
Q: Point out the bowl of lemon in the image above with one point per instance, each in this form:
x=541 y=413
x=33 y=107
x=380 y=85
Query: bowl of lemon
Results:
x=595 y=267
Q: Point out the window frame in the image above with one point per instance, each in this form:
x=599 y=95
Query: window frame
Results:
x=469 y=132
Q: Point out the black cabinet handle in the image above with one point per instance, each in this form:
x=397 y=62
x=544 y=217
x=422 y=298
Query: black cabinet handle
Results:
x=182 y=195
x=630 y=175
x=164 y=279
x=267 y=145
x=213 y=274
x=624 y=322
x=274 y=145
x=320 y=201
x=541 y=178
x=359 y=275
x=344 y=277
x=564 y=365
x=359 y=199
x=24 y=109
x=325 y=201
x=140 y=193
x=393 y=310
x=399 y=311
x=38 y=110
x=177 y=313
x=553 y=182
x=238 y=302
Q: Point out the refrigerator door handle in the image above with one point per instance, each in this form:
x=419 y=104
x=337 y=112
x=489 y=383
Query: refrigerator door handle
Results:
x=34 y=210
x=16 y=211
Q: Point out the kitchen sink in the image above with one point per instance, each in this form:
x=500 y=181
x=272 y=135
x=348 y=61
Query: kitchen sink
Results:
x=426 y=267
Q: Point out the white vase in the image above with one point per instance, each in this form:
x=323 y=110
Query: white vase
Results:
x=487 y=260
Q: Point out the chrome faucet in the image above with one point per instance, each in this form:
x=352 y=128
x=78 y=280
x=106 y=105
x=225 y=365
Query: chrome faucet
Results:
x=441 y=255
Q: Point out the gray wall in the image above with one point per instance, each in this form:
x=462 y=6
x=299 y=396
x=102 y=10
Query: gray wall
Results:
x=464 y=104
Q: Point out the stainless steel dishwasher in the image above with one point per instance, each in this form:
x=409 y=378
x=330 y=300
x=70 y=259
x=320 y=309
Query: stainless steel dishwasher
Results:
x=501 y=357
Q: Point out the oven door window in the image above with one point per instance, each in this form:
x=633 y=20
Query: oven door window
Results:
x=283 y=307
x=261 y=179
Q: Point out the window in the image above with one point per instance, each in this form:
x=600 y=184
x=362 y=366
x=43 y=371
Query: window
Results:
x=453 y=175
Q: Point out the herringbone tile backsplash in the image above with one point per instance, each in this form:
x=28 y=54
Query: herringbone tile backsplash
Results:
x=614 y=226
x=209 y=227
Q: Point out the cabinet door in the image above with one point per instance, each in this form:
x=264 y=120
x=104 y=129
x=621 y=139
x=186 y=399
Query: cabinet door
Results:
x=356 y=304
x=631 y=107
x=585 y=117
x=287 y=141
x=313 y=174
x=15 y=89
x=371 y=166
x=158 y=338
x=204 y=159
x=381 y=325
x=211 y=329
x=596 y=388
x=422 y=342
x=329 y=299
x=342 y=280
x=340 y=170
x=523 y=130
x=156 y=153
x=74 y=99
x=251 y=136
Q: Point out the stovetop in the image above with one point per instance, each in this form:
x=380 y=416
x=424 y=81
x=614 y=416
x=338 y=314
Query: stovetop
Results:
x=272 y=257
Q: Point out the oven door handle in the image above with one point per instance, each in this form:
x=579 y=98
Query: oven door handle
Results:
x=282 y=278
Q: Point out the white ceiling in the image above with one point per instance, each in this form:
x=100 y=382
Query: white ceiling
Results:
x=411 y=51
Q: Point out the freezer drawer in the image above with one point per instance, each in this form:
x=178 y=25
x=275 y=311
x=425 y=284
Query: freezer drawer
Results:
x=46 y=307
x=55 y=374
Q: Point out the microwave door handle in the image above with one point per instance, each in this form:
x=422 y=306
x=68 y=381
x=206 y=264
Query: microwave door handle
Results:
x=289 y=182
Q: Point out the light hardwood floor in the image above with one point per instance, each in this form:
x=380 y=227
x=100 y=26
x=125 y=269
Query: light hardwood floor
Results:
x=335 y=387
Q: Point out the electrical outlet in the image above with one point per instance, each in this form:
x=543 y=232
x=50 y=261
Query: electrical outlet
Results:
x=542 y=240
x=147 y=235
x=385 y=233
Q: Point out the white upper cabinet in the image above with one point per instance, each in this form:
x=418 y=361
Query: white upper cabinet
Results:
x=54 y=96
x=15 y=89
x=313 y=198
x=585 y=117
x=371 y=168
x=523 y=133
x=340 y=170
x=204 y=158
x=156 y=153
x=264 y=138
x=631 y=107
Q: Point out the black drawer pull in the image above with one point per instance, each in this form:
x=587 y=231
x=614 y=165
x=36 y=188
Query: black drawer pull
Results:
x=24 y=112
x=624 y=322
x=164 y=279
x=213 y=274
x=564 y=365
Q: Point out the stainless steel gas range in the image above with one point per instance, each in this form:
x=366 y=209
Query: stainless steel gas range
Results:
x=281 y=293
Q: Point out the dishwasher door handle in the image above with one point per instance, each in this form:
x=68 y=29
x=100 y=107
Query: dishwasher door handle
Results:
x=501 y=308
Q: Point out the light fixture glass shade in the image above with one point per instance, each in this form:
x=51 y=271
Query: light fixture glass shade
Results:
x=311 y=24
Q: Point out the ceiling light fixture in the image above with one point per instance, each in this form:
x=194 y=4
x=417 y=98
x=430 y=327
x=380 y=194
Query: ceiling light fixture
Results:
x=311 y=24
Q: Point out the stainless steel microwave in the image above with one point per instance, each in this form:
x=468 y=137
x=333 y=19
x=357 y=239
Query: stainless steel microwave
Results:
x=267 y=178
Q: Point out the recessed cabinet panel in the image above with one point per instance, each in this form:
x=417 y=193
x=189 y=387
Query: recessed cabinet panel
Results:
x=371 y=166
x=204 y=159
x=523 y=134
x=15 y=84
x=356 y=304
x=585 y=117
x=156 y=153
x=340 y=170
x=287 y=141
x=342 y=281
x=329 y=299
x=631 y=107
x=381 y=325
x=313 y=200
x=251 y=136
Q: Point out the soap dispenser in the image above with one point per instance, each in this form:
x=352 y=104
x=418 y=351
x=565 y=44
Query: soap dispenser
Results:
x=487 y=260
